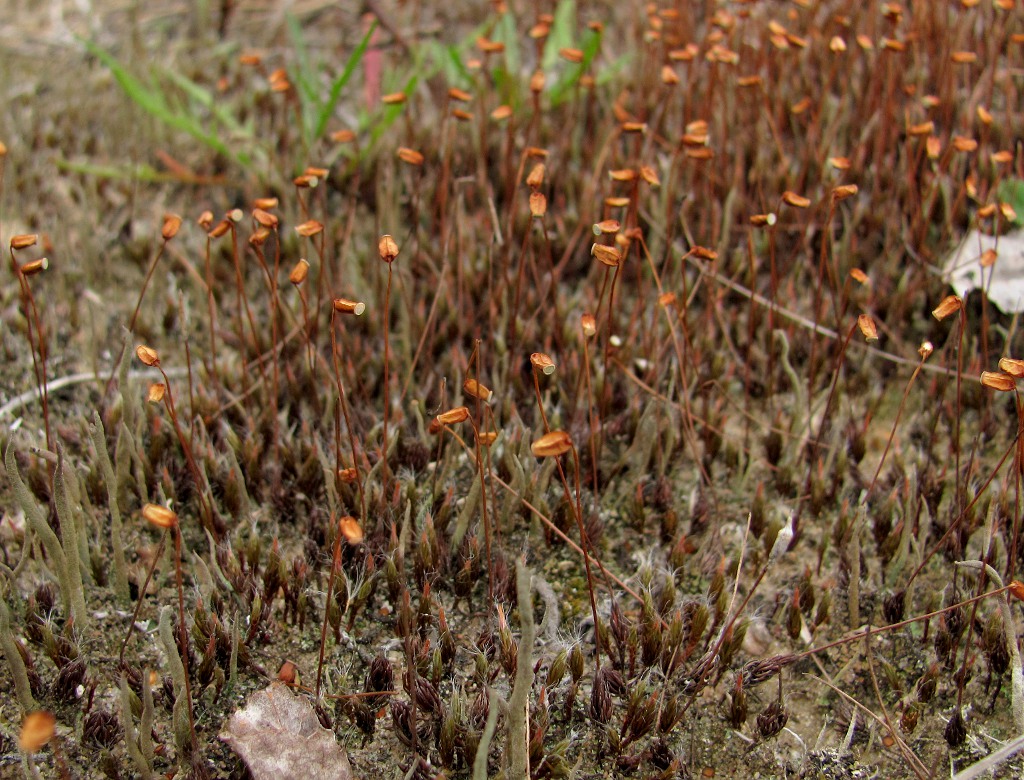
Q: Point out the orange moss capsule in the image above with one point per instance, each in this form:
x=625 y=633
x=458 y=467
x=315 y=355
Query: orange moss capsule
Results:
x=649 y=175
x=588 y=322
x=279 y=81
x=801 y=106
x=288 y=673
x=552 y=444
x=543 y=363
x=844 y=191
x=264 y=218
x=539 y=31
x=23 y=240
x=699 y=153
x=260 y=236
x=474 y=389
x=1012 y=366
x=796 y=201
x=535 y=179
x=309 y=228
x=172 y=223
x=964 y=144
x=351 y=529
x=538 y=205
x=453 y=416
x=487 y=46
x=387 y=248
x=34 y=267
x=345 y=306
x=867 y=327
x=608 y=255
x=220 y=229
x=951 y=304
x=37 y=729
x=147 y=355
x=299 y=272
x=160 y=516
x=410 y=156
x=997 y=380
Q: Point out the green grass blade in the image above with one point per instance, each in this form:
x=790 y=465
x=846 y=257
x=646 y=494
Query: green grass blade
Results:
x=1012 y=191
x=505 y=32
x=305 y=78
x=141 y=172
x=151 y=99
x=327 y=109
x=457 y=69
x=205 y=98
x=561 y=36
x=570 y=78
x=143 y=95
x=391 y=113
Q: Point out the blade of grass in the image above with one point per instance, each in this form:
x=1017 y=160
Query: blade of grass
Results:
x=304 y=77
x=505 y=32
x=149 y=98
x=141 y=172
x=560 y=35
x=570 y=78
x=327 y=109
x=391 y=113
x=206 y=99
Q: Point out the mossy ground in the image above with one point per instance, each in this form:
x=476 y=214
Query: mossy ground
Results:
x=706 y=419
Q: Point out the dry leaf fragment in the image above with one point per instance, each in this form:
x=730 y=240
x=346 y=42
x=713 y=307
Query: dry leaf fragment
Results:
x=277 y=734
